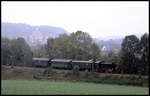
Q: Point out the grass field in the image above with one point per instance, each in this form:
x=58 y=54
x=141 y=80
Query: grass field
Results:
x=60 y=87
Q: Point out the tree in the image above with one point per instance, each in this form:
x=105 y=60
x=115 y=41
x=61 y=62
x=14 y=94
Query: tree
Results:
x=49 y=47
x=83 y=46
x=16 y=52
x=95 y=51
x=62 y=47
x=119 y=62
x=144 y=53
x=21 y=52
x=129 y=51
x=40 y=52
x=77 y=45
x=111 y=56
x=6 y=51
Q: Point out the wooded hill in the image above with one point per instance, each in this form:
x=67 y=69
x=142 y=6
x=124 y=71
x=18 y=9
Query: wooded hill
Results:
x=37 y=34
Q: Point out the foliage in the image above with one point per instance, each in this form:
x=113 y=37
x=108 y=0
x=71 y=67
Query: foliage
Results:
x=62 y=47
x=77 y=45
x=133 y=57
x=40 y=52
x=6 y=51
x=16 y=52
x=83 y=46
x=75 y=71
x=119 y=62
x=144 y=53
x=111 y=56
x=21 y=51
x=49 y=47
x=86 y=74
x=129 y=50
x=95 y=51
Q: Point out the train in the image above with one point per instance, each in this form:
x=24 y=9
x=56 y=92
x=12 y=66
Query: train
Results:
x=68 y=64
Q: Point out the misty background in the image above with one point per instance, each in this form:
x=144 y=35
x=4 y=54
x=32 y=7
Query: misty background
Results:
x=107 y=22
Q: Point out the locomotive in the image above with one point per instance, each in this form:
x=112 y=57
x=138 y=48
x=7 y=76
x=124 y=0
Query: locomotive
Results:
x=68 y=64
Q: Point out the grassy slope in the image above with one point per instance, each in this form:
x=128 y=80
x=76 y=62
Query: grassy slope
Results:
x=47 y=87
x=26 y=73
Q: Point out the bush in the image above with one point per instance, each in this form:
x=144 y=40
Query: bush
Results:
x=93 y=75
x=75 y=71
x=68 y=74
x=49 y=71
x=86 y=74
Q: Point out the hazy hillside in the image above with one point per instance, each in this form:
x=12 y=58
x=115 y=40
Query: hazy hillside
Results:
x=33 y=34
x=36 y=35
x=107 y=45
x=13 y=30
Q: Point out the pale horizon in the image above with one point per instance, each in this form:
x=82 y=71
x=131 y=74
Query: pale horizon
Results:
x=99 y=19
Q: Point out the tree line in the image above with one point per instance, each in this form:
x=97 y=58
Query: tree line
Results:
x=16 y=52
x=133 y=57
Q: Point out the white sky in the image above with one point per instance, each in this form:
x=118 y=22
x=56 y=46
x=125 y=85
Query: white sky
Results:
x=99 y=19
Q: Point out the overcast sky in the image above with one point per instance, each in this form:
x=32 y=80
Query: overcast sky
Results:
x=99 y=19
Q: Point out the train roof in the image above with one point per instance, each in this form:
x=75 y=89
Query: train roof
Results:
x=42 y=59
x=61 y=60
x=79 y=61
x=99 y=61
x=107 y=63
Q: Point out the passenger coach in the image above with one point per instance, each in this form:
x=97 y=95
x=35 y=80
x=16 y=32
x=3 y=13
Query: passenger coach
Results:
x=98 y=66
x=41 y=62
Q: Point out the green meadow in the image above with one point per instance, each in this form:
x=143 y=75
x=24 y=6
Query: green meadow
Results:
x=43 y=87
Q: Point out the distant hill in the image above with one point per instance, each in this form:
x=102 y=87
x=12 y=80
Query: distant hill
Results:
x=34 y=35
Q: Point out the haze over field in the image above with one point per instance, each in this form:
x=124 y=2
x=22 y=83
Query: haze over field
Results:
x=107 y=22
x=100 y=19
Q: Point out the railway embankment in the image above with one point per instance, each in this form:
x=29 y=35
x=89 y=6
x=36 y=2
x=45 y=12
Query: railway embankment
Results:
x=28 y=73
